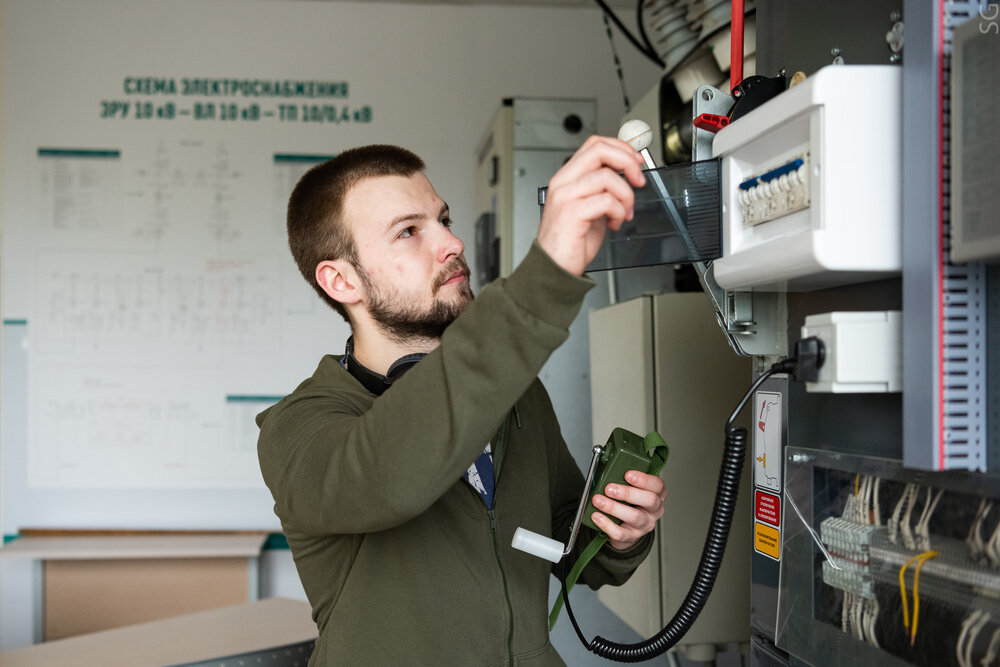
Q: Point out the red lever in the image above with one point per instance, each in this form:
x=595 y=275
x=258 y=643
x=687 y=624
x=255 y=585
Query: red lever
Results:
x=710 y=122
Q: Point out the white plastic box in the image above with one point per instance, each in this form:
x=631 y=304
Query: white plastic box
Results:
x=811 y=184
x=864 y=351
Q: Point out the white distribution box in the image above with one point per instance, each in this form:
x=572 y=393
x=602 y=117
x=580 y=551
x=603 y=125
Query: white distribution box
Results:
x=811 y=184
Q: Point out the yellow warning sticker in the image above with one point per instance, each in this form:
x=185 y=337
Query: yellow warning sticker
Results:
x=767 y=540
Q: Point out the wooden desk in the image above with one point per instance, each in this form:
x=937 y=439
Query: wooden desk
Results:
x=85 y=583
x=254 y=626
x=102 y=547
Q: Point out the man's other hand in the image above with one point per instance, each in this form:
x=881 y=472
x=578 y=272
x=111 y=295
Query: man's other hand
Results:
x=639 y=505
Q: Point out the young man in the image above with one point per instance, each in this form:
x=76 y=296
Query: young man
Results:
x=401 y=470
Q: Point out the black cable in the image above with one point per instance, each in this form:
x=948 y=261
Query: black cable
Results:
x=640 y=21
x=611 y=15
x=711 y=558
x=810 y=353
x=708 y=568
x=618 y=63
x=569 y=610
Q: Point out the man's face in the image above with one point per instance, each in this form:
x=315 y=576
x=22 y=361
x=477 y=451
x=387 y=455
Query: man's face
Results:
x=412 y=269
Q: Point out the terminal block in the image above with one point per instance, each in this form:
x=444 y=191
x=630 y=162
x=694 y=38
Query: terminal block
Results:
x=849 y=564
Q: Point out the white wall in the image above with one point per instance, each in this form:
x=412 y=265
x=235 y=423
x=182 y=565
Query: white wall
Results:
x=433 y=74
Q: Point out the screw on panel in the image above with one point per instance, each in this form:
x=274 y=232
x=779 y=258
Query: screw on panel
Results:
x=894 y=38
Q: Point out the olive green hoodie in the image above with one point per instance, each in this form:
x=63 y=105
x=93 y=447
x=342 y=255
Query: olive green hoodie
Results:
x=401 y=560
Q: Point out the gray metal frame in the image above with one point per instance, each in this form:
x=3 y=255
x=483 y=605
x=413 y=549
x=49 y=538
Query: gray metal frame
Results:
x=944 y=387
x=753 y=321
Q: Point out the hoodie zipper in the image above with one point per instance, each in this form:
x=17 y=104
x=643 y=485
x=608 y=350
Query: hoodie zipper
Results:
x=503 y=577
x=502 y=434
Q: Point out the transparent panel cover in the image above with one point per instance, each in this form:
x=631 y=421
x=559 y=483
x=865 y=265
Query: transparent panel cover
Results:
x=678 y=219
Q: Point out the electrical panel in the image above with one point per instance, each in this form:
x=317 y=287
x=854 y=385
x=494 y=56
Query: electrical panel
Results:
x=861 y=200
x=811 y=183
x=905 y=564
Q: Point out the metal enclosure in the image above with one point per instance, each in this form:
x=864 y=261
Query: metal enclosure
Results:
x=526 y=142
x=939 y=422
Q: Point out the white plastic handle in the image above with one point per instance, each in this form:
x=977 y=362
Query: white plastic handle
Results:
x=637 y=133
x=537 y=545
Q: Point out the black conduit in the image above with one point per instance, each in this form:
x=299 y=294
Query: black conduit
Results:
x=711 y=556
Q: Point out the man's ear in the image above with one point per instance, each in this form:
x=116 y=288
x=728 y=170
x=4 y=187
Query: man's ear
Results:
x=338 y=278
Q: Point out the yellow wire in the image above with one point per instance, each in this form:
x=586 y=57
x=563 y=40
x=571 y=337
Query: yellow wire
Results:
x=902 y=591
x=924 y=557
x=857 y=482
x=902 y=587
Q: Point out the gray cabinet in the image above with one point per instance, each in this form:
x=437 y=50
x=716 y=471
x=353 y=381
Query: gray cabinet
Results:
x=662 y=363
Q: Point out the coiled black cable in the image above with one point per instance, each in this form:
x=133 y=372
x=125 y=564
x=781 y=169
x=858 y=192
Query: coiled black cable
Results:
x=711 y=556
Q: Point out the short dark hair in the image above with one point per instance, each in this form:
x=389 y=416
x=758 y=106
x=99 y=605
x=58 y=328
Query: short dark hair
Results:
x=316 y=229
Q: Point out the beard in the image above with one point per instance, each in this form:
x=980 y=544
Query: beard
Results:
x=402 y=319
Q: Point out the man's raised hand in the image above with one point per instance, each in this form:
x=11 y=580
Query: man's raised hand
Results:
x=586 y=197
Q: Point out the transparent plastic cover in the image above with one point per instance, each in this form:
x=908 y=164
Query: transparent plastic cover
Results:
x=678 y=219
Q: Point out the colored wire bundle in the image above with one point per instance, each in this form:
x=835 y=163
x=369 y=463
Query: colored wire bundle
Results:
x=919 y=559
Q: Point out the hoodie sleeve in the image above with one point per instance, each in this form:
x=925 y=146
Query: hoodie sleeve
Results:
x=338 y=461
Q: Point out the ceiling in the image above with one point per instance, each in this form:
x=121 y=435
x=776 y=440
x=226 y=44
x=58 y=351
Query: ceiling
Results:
x=615 y=4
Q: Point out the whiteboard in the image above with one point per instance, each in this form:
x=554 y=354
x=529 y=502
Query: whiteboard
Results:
x=150 y=305
x=163 y=311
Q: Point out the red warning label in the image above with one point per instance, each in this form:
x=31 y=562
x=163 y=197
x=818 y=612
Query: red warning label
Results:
x=767 y=507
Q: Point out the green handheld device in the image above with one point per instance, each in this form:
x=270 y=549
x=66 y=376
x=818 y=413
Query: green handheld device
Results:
x=624 y=451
